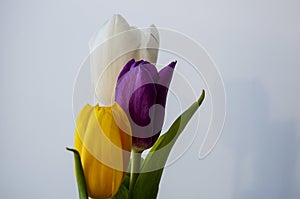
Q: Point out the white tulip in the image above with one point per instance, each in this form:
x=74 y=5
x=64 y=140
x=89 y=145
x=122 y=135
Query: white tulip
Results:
x=112 y=47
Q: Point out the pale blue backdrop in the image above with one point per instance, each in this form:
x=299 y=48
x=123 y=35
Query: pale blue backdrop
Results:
x=255 y=44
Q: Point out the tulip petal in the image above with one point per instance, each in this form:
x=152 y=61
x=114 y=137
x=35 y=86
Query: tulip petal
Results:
x=149 y=44
x=139 y=63
x=140 y=92
x=137 y=78
x=140 y=103
x=116 y=44
x=113 y=26
x=112 y=47
x=162 y=87
x=103 y=148
x=126 y=68
x=165 y=77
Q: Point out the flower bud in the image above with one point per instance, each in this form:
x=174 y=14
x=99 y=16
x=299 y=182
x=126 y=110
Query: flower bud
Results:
x=142 y=92
x=104 y=148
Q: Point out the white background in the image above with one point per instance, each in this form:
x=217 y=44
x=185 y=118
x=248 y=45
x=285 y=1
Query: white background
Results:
x=255 y=45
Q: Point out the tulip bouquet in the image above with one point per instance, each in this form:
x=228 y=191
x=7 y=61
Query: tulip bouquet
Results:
x=110 y=138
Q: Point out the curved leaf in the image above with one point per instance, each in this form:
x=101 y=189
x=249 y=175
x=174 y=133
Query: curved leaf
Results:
x=79 y=175
x=147 y=184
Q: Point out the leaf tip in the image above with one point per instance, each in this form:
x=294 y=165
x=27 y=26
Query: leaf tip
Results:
x=72 y=150
x=201 y=98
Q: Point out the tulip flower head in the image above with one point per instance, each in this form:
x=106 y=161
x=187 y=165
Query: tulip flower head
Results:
x=142 y=92
x=110 y=49
x=104 y=149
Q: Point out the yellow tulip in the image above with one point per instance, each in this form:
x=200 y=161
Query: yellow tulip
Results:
x=103 y=141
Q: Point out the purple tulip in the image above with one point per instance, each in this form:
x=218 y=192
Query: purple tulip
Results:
x=142 y=92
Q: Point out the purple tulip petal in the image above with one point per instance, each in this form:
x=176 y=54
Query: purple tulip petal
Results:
x=162 y=88
x=150 y=70
x=139 y=63
x=136 y=91
x=141 y=91
x=135 y=64
x=126 y=68
x=140 y=103
x=165 y=74
x=173 y=64
x=165 y=77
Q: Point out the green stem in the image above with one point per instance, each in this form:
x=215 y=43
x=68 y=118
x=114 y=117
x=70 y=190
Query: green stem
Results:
x=135 y=170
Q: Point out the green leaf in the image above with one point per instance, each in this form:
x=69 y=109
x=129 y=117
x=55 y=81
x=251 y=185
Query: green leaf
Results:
x=126 y=180
x=147 y=184
x=79 y=175
x=122 y=192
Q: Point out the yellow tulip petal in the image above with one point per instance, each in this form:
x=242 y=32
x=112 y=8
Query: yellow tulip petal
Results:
x=104 y=149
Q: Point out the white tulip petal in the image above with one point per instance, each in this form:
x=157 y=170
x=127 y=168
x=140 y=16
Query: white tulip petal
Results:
x=149 y=44
x=113 y=26
x=111 y=48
